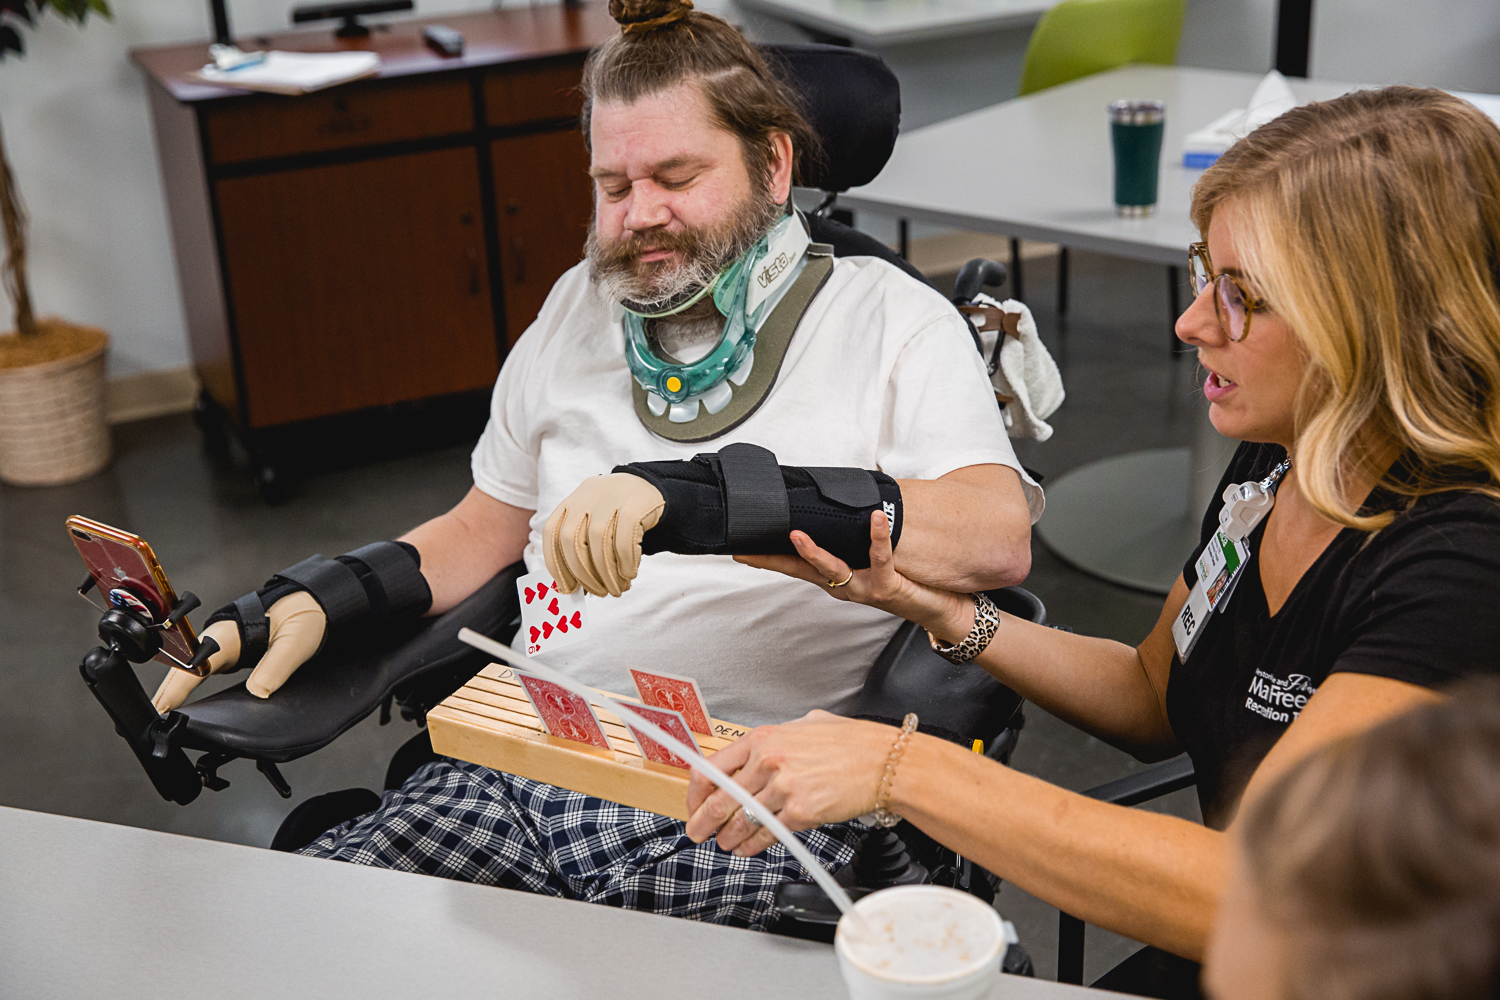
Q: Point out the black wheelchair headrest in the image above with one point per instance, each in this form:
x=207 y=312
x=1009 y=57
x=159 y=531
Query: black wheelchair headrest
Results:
x=853 y=102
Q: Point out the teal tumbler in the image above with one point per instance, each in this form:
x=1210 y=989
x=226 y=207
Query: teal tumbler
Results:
x=1135 y=131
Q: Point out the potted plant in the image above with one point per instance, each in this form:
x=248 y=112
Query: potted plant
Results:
x=52 y=427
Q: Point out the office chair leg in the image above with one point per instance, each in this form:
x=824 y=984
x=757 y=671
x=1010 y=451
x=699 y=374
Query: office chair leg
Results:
x=1062 y=281
x=1069 y=949
x=1174 y=293
x=1015 y=271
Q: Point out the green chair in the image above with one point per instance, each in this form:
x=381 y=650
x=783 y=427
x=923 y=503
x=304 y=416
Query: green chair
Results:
x=1082 y=37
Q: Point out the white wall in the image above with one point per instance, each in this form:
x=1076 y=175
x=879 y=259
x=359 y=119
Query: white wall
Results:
x=1453 y=44
x=79 y=135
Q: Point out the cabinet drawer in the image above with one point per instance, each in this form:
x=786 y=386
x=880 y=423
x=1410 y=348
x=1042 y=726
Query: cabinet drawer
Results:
x=535 y=92
x=352 y=115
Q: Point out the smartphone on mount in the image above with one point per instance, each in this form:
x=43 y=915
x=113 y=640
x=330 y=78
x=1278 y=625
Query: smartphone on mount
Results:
x=125 y=571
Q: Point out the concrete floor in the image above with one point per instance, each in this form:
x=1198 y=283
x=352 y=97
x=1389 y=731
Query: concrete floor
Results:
x=215 y=537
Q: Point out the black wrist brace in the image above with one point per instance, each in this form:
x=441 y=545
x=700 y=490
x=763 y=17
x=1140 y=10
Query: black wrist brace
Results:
x=375 y=583
x=739 y=501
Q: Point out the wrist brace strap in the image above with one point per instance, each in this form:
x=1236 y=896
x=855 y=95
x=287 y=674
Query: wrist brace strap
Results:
x=739 y=501
x=378 y=582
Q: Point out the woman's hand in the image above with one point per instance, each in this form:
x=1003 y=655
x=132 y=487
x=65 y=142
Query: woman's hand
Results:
x=819 y=769
x=947 y=615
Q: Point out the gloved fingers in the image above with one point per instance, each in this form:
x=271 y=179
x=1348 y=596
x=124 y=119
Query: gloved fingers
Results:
x=227 y=634
x=552 y=552
x=297 y=627
x=178 y=684
x=602 y=550
x=627 y=554
x=580 y=559
x=174 y=690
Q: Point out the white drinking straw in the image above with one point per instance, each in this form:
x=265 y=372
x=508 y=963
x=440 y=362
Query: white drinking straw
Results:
x=694 y=759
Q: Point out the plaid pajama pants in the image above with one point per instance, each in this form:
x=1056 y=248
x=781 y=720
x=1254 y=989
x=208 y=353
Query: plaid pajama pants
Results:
x=462 y=821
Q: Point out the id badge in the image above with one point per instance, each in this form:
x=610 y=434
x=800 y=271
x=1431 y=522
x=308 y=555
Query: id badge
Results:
x=1222 y=559
x=1219 y=567
x=1190 y=621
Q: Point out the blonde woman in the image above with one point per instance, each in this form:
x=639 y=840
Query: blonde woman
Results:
x=1348 y=318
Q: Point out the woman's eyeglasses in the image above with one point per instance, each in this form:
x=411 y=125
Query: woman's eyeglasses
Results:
x=1232 y=304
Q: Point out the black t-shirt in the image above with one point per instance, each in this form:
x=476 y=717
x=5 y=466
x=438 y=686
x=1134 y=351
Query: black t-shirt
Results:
x=1414 y=602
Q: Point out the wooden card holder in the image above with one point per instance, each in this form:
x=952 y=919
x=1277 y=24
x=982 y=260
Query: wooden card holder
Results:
x=489 y=721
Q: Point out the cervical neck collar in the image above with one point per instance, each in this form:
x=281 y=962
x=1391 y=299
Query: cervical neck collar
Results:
x=744 y=292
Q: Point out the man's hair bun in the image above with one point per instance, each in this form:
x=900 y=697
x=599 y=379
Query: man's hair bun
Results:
x=638 y=16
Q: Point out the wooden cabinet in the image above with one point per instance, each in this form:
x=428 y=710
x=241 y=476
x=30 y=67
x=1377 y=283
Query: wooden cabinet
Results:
x=542 y=226
x=375 y=306
x=383 y=242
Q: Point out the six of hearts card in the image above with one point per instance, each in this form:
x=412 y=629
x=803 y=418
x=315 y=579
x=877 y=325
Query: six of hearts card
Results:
x=549 y=619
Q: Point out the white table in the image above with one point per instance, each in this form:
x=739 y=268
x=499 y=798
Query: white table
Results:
x=882 y=23
x=96 y=910
x=1039 y=167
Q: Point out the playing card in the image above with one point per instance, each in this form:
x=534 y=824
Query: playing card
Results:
x=563 y=713
x=550 y=618
x=677 y=694
x=673 y=723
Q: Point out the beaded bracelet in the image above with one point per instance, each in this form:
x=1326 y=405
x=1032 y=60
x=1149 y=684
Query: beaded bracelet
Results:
x=882 y=816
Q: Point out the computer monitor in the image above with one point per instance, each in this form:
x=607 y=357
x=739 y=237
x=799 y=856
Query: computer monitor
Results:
x=350 y=12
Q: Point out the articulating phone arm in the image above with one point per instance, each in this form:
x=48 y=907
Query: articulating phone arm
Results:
x=107 y=671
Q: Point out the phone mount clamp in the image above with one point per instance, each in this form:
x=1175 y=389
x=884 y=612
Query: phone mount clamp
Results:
x=129 y=637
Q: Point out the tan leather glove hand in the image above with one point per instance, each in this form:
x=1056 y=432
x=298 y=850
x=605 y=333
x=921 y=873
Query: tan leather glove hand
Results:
x=593 y=538
x=297 y=626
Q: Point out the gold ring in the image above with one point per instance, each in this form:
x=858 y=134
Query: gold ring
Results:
x=842 y=582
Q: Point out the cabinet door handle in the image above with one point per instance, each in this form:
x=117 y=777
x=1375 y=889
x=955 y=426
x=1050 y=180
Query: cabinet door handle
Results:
x=520 y=257
x=473 y=257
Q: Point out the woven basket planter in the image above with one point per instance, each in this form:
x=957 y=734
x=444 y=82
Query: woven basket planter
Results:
x=52 y=428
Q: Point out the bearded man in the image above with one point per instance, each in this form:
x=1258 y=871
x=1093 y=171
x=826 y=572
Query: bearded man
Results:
x=678 y=329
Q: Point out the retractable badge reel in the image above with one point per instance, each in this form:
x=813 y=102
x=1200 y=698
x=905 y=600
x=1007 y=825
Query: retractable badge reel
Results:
x=1247 y=504
x=1223 y=559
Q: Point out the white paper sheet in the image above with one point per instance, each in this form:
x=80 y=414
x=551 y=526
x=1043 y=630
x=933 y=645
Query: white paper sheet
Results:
x=295 y=72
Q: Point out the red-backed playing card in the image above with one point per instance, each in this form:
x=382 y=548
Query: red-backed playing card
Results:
x=563 y=713
x=677 y=694
x=673 y=723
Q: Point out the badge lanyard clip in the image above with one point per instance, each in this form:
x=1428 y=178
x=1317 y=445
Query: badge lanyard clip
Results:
x=1247 y=504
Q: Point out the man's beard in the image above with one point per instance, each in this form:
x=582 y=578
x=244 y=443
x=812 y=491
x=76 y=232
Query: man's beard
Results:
x=699 y=255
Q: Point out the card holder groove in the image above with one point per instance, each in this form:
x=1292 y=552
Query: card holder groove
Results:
x=490 y=722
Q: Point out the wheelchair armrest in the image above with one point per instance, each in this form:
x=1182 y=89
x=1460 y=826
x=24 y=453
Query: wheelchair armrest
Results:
x=1146 y=785
x=341 y=685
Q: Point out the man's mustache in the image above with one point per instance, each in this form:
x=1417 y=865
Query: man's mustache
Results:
x=628 y=250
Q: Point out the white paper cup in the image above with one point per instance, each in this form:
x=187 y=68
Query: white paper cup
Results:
x=931 y=942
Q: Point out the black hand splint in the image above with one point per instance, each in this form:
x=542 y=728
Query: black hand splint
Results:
x=375 y=583
x=739 y=501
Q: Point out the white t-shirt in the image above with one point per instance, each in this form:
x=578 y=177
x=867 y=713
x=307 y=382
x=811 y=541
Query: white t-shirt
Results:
x=881 y=374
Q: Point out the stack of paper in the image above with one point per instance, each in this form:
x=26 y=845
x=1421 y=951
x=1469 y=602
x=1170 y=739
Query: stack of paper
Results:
x=294 y=72
x=1273 y=97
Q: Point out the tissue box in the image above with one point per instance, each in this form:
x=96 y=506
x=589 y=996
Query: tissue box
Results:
x=1273 y=96
x=489 y=721
x=1201 y=148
